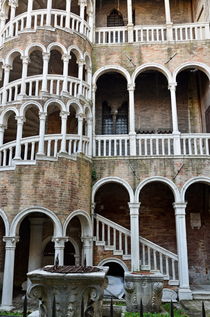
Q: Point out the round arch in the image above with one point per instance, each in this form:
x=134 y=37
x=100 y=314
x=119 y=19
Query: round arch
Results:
x=57 y=45
x=201 y=66
x=58 y=232
x=88 y=111
x=111 y=68
x=74 y=49
x=5 y=221
x=117 y=180
x=115 y=260
x=5 y=114
x=151 y=66
x=72 y=103
x=85 y=221
x=161 y=179
x=87 y=59
x=33 y=47
x=9 y=59
x=198 y=179
x=54 y=101
x=24 y=107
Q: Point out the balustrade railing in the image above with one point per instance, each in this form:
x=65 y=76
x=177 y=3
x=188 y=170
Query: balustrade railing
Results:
x=152 y=145
x=111 y=35
x=38 y=19
x=114 y=237
x=34 y=84
x=52 y=146
x=150 y=33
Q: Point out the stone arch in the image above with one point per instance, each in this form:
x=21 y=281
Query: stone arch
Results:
x=201 y=66
x=112 y=68
x=115 y=260
x=111 y=179
x=56 y=45
x=35 y=46
x=58 y=232
x=54 y=101
x=161 y=179
x=5 y=114
x=85 y=221
x=78 y=108
x=151 y=66
x=77 y=52
x=88 y=111
x=24 y=107
x=198 y=179
x=87 y=59
x=5 y=221
x=11 y=56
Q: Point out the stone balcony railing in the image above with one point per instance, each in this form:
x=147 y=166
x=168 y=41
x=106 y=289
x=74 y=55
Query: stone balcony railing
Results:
x=33 y=87
x=152 y=33
x=144 y=145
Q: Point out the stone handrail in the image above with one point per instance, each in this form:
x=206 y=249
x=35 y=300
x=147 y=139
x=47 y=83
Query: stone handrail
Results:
x=38 y=20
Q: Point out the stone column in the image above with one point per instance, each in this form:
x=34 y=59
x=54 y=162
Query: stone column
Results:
x=46 y=57
x=184 y=288
x=7 y=290
x=42 y=120
x=90 y=136
x=20 y=121
x=59 y=248
x=49 y=7
x=65 y=59
x=35 y=250
x=2 y=22
x=94 y=88
x=91 y=24
x=130 y=21
x=80 y=74
x=89 y=80
x=25 y=61
x=68 y=13
x=80 y=130
x=134 y=227
x=176 y=133
x=82 y=4
x=169 y=23
x=87 y=250
x=132 y=132
x=64 y=116
x=13 y=4
x=29 y=11
x=7 y=69
x=2 y=128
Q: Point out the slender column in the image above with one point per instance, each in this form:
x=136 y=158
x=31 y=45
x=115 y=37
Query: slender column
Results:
x=7 y=69
x=91 y=24
x=64 y=116
x=25 y=61
x=42 y=120
x=65 y=59
x=176 y=133
x=80 y=128
x=90 y=136
x=68 y=13
x=82 y=4
x=13 y=4
x=8 y=278
x=59 y=248
x=35 y=251
x=169 y=23
x=2 y=21
x=29 y=11
x=184 y=288
x=80 y=75
x=94 y=88
x=2 y=128
x=49 y=7
x=132 y=132
x=130 y=21
x=20 y=121
x=87 y=250
x=89 y=80
x=134 y=227
x=46 y=57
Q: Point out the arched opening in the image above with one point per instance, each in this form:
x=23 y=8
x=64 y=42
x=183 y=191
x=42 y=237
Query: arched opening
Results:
x=75 y=7
x=73 y=256
x=48 y=254
x=21 y=8
x=112 y=104
x=37 y=4
x=193 y=96
x=59 y=4
x=115 y=18
x=31 y=124
x=115 y=275
x=2 y=252
x=35 y=66
x=53 y=122
x=72 y=122
x=70 y=256
x=111 y=13
x=11 y=127
x=73 y=66
x=198 y=237
x=29 y=255
x=16 y=71
x=55 y=63
x=152 y=103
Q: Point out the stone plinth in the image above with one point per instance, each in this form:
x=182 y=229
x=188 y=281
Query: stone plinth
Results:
x=145 y=286
x=70 y=290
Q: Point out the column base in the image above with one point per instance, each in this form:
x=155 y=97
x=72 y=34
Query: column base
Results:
x=6 y=307
x=185 y=294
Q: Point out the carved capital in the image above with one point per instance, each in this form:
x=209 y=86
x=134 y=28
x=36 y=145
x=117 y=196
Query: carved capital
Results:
x=20 y=119
x=11 y=241
x=46 y=56
x=64 y=114
x=42 y=115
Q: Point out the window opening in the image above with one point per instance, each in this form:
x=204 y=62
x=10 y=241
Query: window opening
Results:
x=115 y=18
